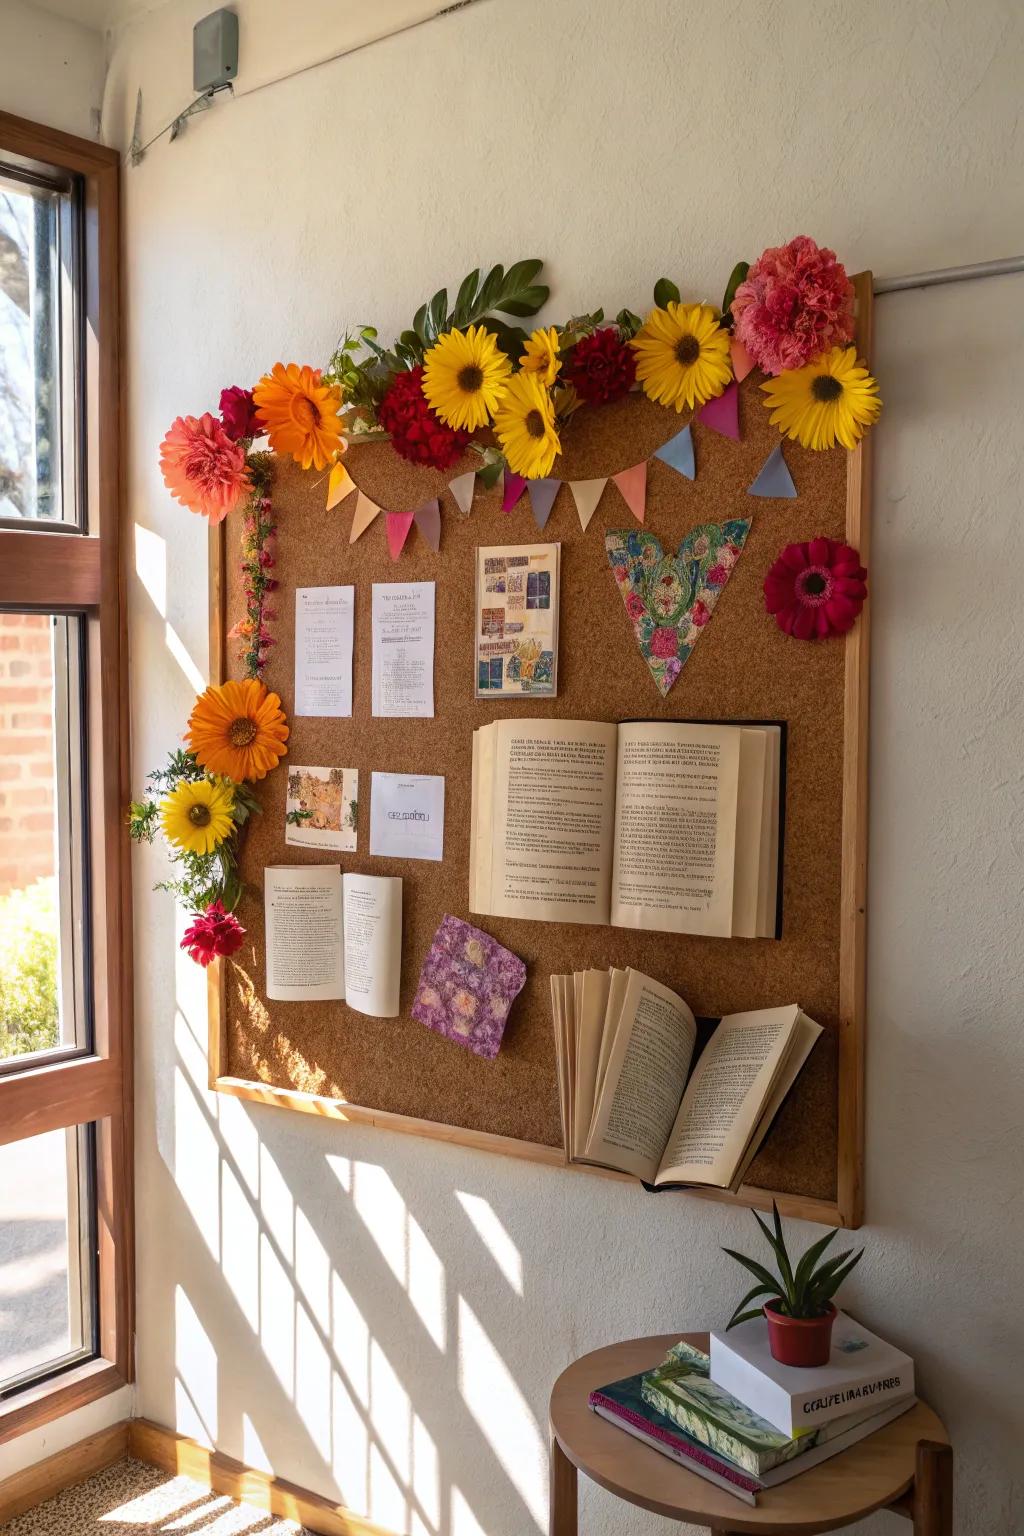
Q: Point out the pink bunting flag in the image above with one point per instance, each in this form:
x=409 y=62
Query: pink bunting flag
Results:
x=742 y=362
x=399 y=524
x=339 y=486
x=364 y=514
x=515 y=485
x=722 y=413
x=633 y=485
x=428 y=521
x=542 y=499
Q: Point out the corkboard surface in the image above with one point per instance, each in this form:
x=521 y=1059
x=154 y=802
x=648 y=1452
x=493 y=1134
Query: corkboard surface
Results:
x=743 y=668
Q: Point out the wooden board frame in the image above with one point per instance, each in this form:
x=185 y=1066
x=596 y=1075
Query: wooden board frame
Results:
x=847 y=1208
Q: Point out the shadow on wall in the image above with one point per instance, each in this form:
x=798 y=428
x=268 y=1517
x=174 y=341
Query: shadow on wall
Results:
x=318 y=1287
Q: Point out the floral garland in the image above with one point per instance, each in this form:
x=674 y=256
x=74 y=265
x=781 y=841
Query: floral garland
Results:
x=464 y=375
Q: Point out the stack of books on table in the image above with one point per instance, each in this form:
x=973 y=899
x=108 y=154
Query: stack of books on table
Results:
x=743 y=1421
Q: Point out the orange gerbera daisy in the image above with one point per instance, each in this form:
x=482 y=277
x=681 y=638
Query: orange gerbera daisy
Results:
x=300 y=414
x=238 y=730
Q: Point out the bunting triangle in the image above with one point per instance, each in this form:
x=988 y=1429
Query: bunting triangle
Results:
x=722 y=414
x=399 y=524
x=775 y=478
x=587 y=494
x=678 y=452
x=462 y=489
x=515 y=485
x=339 y=486
x=633 y=485
x=742 y=362
x=542 y=499
x=428 y=520
x=364 y=514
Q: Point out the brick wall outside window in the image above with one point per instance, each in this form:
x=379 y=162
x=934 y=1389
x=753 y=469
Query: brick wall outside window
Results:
x=26 y=750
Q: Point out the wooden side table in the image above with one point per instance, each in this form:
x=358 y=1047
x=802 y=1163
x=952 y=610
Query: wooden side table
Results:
x=906 y=1467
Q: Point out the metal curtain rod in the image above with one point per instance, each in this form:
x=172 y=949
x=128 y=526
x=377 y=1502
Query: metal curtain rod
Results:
x=964 y=274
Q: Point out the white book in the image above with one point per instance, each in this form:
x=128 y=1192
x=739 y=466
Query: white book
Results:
x=863 y=1371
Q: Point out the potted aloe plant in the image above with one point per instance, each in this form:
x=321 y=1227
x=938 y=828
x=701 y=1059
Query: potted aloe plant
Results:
x=799 y=1310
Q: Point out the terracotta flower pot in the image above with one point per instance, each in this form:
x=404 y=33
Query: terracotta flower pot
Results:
x=799 y=1340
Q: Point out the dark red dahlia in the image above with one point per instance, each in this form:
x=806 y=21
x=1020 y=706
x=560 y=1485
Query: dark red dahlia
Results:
x=212 y=933
x=416 y=433
x=601 y=367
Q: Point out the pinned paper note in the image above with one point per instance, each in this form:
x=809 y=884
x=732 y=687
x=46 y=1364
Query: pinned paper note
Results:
x=515 y=485
x=775 y=478
x=742 y=362
x=399 y=524
x=678 y=452
x=542 y=499
x=670 y=598
x=339 y=486
x=467 y=985
x=428 y=520
x=364 y=514
x=462 y=489
x=587 y=494
x=722 y=413
x=633 y=485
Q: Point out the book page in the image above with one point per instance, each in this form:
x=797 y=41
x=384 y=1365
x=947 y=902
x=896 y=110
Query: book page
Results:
x=675 y=828
x=617 y=980
x=644 y=1081
x=749 y=828
x=768 y=894
x=552 y=812
x=726 y=1096
x=373 y=943
x=589 y=1030
x=305 y=941
x=803 y=1041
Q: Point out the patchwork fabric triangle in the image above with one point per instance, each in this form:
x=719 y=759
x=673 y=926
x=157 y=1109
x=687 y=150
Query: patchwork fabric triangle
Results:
x=633 y=485
x=428 y=520
x=339 y=485
x=364 y=514
x=542 y=499
x=587 y=494
x=462 y=489
x=722 y=413
x=775 y=478
x=515 y=485
x=399 y=524
x=670 y=598
x=678 y=452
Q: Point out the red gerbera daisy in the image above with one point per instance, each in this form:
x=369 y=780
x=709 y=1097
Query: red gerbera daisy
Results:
x=601 y=367
x=416 y=432
x=214 y=932
x=816 y=589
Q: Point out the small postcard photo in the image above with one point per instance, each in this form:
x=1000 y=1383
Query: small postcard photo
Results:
x=322 y=808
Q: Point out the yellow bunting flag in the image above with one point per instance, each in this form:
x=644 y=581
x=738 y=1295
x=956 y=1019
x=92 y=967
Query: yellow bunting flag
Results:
x=366 y=511
x=339 y=486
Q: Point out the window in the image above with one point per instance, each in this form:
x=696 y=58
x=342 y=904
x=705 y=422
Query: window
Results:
x=65 y=974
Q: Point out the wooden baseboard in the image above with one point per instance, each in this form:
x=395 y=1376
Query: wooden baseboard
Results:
x=177 y=1453
x=24 y=1490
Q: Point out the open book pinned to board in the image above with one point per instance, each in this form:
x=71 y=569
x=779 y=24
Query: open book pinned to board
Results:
x=625 y=1046
x=666 y=826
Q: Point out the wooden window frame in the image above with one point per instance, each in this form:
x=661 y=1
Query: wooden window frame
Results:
x=83 y=572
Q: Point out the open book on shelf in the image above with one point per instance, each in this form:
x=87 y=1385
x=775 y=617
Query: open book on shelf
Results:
x=631 y=1097
x=666 y=826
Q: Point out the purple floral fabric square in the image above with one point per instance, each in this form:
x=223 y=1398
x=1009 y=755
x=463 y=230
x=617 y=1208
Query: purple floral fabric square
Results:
x=467 y=985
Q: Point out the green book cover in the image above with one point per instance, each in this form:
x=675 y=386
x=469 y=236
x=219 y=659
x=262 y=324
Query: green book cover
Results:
x=681 y=1388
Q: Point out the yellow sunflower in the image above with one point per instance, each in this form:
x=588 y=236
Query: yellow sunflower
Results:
x=300 y=414
x=682 y=355
x=197 y=817
x=238 y=730
x=525 y=425
x=540 y=355
x=462 y=377
x=832 y=399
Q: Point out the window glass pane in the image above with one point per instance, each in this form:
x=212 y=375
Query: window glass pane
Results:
x=36 y=352
x=42 y=967
x=47 y=1254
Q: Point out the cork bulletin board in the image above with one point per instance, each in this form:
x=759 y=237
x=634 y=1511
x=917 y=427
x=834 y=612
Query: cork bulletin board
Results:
x=326 y=1059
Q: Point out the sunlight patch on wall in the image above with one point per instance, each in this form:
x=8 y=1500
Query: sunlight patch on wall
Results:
x=495 y=1237
x=404 y=1246
x=502 y=1413
x=253 y=1453
x=350 y=1339
x=277 y=1207
x=151 y=566
x=277 y=1316
x=312 y=1381
x=350 y=1456
x=177 y=648
x=195 y=1364
x=426 y=1478
x=240 y=1245
x=463 y=1521
x=195 y=1154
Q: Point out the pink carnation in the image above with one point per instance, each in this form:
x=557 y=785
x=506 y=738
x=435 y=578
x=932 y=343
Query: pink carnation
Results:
x=795 y=303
